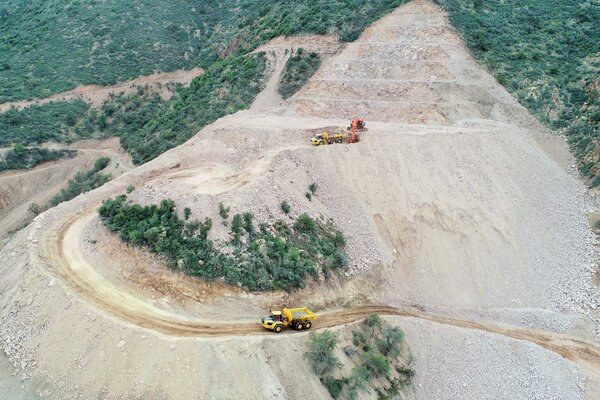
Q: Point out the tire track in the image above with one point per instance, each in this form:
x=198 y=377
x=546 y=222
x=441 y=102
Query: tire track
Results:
x=74 y=270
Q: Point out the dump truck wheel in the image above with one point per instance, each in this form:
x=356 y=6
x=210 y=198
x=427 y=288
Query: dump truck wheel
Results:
x=307 y=325
x=278 y=328
x=299 y=326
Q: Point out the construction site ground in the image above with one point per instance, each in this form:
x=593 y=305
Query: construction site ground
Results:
x=466 y=226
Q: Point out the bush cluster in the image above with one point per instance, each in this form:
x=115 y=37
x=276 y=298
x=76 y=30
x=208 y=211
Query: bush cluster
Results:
x=146 y=124
x=21 y=157
x=41 y=123
x=272 y=256
x=84 y=182
x=375 y=351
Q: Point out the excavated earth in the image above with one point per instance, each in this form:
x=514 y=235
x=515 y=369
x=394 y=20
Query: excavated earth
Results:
x=466 y=227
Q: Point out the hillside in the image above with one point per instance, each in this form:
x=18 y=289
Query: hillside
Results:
x=465 y=227
x=48 y=48
x=546 y=55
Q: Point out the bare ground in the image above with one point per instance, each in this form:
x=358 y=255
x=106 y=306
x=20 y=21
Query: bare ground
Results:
x=97 y=94
x=465 y=224
x=20 y=188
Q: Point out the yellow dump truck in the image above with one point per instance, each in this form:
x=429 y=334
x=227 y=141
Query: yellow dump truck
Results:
x=327 y=138
x=296 y=318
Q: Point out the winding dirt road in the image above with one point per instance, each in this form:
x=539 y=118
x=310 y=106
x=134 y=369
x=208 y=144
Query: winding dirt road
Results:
x=78 y=272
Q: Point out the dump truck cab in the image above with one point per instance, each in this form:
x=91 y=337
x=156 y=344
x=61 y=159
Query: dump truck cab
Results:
x=296 y=318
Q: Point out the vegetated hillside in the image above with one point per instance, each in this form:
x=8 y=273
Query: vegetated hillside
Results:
x=21 y=157
x=102 y=42
x=41 y=123
x=49 y=46
x=547 y=55
x=298 y=69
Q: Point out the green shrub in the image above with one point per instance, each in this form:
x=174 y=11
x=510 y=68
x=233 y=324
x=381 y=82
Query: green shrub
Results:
x=305 y=224
x=334 y=386
x=373 y=321
x=377 y=363
x=350 y=351
x=21 y=157
x=406 y=373
x=34 y=208
x=312 y=187
x=358 y=338
x=320 y=352
x=83 y=182
x=223 y=211
x=285 y=207
x=308 y=195
x=389 y=343
x=359 y=380
x=187 y=212
x=131 y=188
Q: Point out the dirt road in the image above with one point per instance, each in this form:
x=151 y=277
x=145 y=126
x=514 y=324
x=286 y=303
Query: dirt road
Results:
x=96 y=94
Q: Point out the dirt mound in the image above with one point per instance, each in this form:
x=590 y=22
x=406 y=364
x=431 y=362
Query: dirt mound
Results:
x=460 y=222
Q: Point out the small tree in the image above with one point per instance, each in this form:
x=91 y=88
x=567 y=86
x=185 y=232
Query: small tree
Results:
x=248 y=224
x=312 y=187
x=376 y=363
x=223 y=211
x=101 y=163
x=320 y=352
x=305 y=224
x=131 y=188
x=389 y=343
x=34 y=208
x=285 y=207
x=186 y=213
x=359 y=380
x=372 y=321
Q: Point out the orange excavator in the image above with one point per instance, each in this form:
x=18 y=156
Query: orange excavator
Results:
x=357 y=125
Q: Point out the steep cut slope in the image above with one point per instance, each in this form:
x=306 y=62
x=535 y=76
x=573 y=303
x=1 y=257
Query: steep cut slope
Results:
x=461 y=217
x=411 y=68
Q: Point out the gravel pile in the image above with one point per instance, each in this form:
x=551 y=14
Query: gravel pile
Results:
x=458 y=363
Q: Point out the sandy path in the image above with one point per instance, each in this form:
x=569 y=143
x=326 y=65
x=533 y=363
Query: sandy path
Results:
x=96 y=94
x=82 y=276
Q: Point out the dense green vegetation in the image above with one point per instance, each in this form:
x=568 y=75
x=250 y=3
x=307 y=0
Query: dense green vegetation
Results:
x=147 y=125
x=49 y=46
x=84 y=182
x=21 y=157
x=36 y=124
x=375 y=351
x=270 y=256
x=298 y=69
x=226 y=87
x=546 y=54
